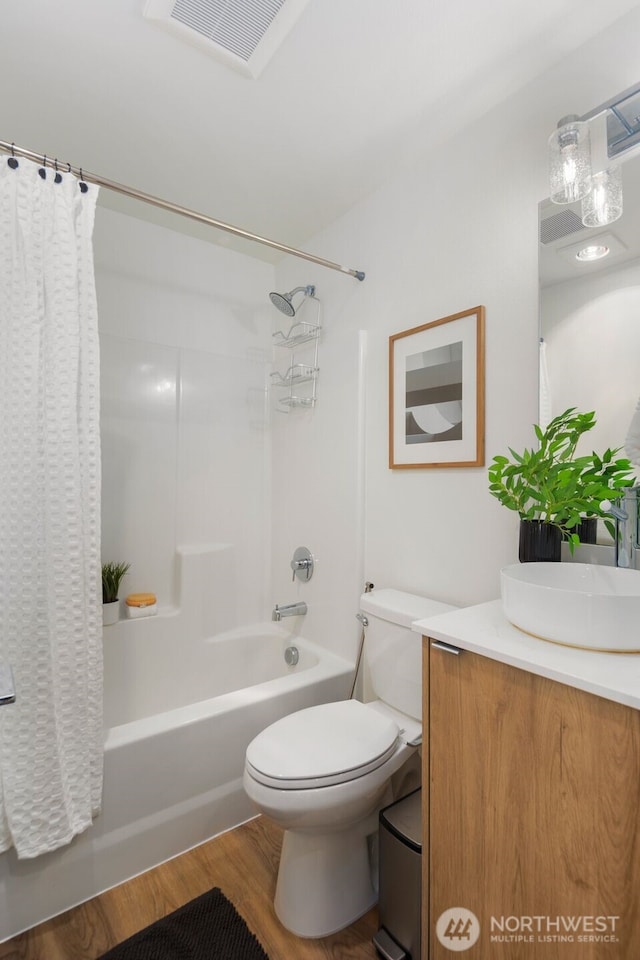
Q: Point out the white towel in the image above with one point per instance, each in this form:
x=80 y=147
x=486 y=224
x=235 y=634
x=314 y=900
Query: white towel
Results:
x=632 y=442
x=545 y=414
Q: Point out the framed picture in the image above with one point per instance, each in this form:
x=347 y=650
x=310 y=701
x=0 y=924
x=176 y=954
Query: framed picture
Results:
x=436 y=393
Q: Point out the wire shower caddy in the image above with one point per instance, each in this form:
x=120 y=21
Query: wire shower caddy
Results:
x=299 y=380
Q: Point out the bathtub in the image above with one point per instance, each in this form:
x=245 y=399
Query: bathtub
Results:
x=179 y=714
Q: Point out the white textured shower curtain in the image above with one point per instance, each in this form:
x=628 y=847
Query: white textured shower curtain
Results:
x=50 y=603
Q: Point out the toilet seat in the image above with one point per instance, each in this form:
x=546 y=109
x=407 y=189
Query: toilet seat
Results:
x=321 y=746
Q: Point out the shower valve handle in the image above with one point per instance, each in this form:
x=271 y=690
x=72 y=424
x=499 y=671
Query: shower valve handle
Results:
x=302 y=564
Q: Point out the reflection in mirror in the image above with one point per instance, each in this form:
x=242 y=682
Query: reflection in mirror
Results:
x=590 y=314
x=590 y=317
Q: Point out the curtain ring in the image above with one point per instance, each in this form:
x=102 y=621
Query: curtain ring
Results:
x=13 y=143
x=58 y=176
x=12 y=162
x=43 y=169
x=83 y=186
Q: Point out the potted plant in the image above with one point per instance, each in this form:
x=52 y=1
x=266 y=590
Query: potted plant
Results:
x=552 y=490
x=112 y=574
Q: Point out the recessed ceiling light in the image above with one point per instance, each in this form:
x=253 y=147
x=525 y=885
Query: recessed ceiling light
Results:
x=595 y=251
x=591 y=248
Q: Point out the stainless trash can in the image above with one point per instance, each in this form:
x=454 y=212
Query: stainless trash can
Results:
x=400 y=882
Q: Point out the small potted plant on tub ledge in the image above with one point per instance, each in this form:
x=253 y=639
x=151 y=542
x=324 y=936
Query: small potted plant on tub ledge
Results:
x=552 y=490
x=112 y=574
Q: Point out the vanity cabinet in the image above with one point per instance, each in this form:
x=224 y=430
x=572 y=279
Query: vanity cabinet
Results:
x=531 y=793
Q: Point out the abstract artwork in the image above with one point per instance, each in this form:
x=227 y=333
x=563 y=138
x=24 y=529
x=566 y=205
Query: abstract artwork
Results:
x=436 y=393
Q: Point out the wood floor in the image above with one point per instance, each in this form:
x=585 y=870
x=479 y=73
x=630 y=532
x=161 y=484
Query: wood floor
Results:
x=243 y=863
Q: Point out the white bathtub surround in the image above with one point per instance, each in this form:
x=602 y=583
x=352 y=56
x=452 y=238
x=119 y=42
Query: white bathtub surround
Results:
x=185 y=349
x=185 y=693
x=154 y=664
x=50 y=624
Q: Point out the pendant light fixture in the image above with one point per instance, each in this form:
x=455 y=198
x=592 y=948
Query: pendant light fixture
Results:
x=570 y=160
x=603 y=204
x=570 y=169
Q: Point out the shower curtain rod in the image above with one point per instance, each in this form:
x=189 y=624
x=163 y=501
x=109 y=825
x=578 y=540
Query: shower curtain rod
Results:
x=45 y=160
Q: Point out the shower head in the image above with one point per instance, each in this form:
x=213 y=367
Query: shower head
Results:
x=283 y=303
x=283 y=300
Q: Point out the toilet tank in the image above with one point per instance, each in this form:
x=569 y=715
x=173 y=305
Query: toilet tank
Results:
x=392 y=650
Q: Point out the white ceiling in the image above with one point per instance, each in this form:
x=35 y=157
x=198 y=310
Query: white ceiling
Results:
x=358 y=88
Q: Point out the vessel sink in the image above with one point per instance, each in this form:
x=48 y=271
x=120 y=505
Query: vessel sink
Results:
x=577 y=604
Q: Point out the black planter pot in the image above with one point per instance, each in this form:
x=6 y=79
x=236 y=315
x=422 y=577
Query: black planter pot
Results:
x=539 y=540
x=587 y=530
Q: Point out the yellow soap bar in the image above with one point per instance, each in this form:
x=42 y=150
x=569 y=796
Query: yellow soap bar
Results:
x=140 y=599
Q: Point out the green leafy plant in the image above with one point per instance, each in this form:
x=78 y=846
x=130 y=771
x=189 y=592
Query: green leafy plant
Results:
x=112 y=574
x=554 y=485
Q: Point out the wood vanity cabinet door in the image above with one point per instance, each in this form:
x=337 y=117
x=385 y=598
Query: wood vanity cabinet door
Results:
x=534 y=813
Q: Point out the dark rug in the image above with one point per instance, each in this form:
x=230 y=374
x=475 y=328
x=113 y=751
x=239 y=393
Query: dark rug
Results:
x=207 y=928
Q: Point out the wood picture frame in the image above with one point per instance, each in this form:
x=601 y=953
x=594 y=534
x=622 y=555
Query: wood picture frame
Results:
x=436 y=393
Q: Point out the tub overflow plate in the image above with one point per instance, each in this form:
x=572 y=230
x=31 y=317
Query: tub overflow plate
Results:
x=291 y=656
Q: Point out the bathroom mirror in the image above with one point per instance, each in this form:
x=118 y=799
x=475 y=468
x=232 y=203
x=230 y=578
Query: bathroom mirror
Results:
x=590 y=315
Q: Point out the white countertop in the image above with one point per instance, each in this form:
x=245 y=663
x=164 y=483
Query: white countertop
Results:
x=483 y=629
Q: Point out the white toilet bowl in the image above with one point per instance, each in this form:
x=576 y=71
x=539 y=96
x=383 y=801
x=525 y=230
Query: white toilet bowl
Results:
x=323 y=774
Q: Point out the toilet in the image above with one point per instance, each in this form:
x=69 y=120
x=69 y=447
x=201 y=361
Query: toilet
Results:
x=324 y=773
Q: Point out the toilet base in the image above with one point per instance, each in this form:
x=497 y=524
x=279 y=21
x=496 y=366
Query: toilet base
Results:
x=324 y=881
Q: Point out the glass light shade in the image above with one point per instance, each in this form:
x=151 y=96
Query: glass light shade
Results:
x=603 y=203
x=569 y=161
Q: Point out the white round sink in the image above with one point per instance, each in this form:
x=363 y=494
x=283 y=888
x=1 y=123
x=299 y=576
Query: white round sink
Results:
x=577 y=604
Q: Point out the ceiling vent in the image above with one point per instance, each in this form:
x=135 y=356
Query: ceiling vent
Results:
x=243 y=34
x=559 y=225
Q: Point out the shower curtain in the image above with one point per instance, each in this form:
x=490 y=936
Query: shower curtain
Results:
x=50 y=601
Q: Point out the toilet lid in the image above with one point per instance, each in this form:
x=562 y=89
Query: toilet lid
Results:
x=322 y=745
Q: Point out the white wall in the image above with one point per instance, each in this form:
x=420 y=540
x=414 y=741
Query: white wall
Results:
x=457 y=230
x=185 y=350
x=318 y=484
x=592 y=332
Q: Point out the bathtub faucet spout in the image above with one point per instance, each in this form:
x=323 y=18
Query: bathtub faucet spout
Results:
x=289 y=610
